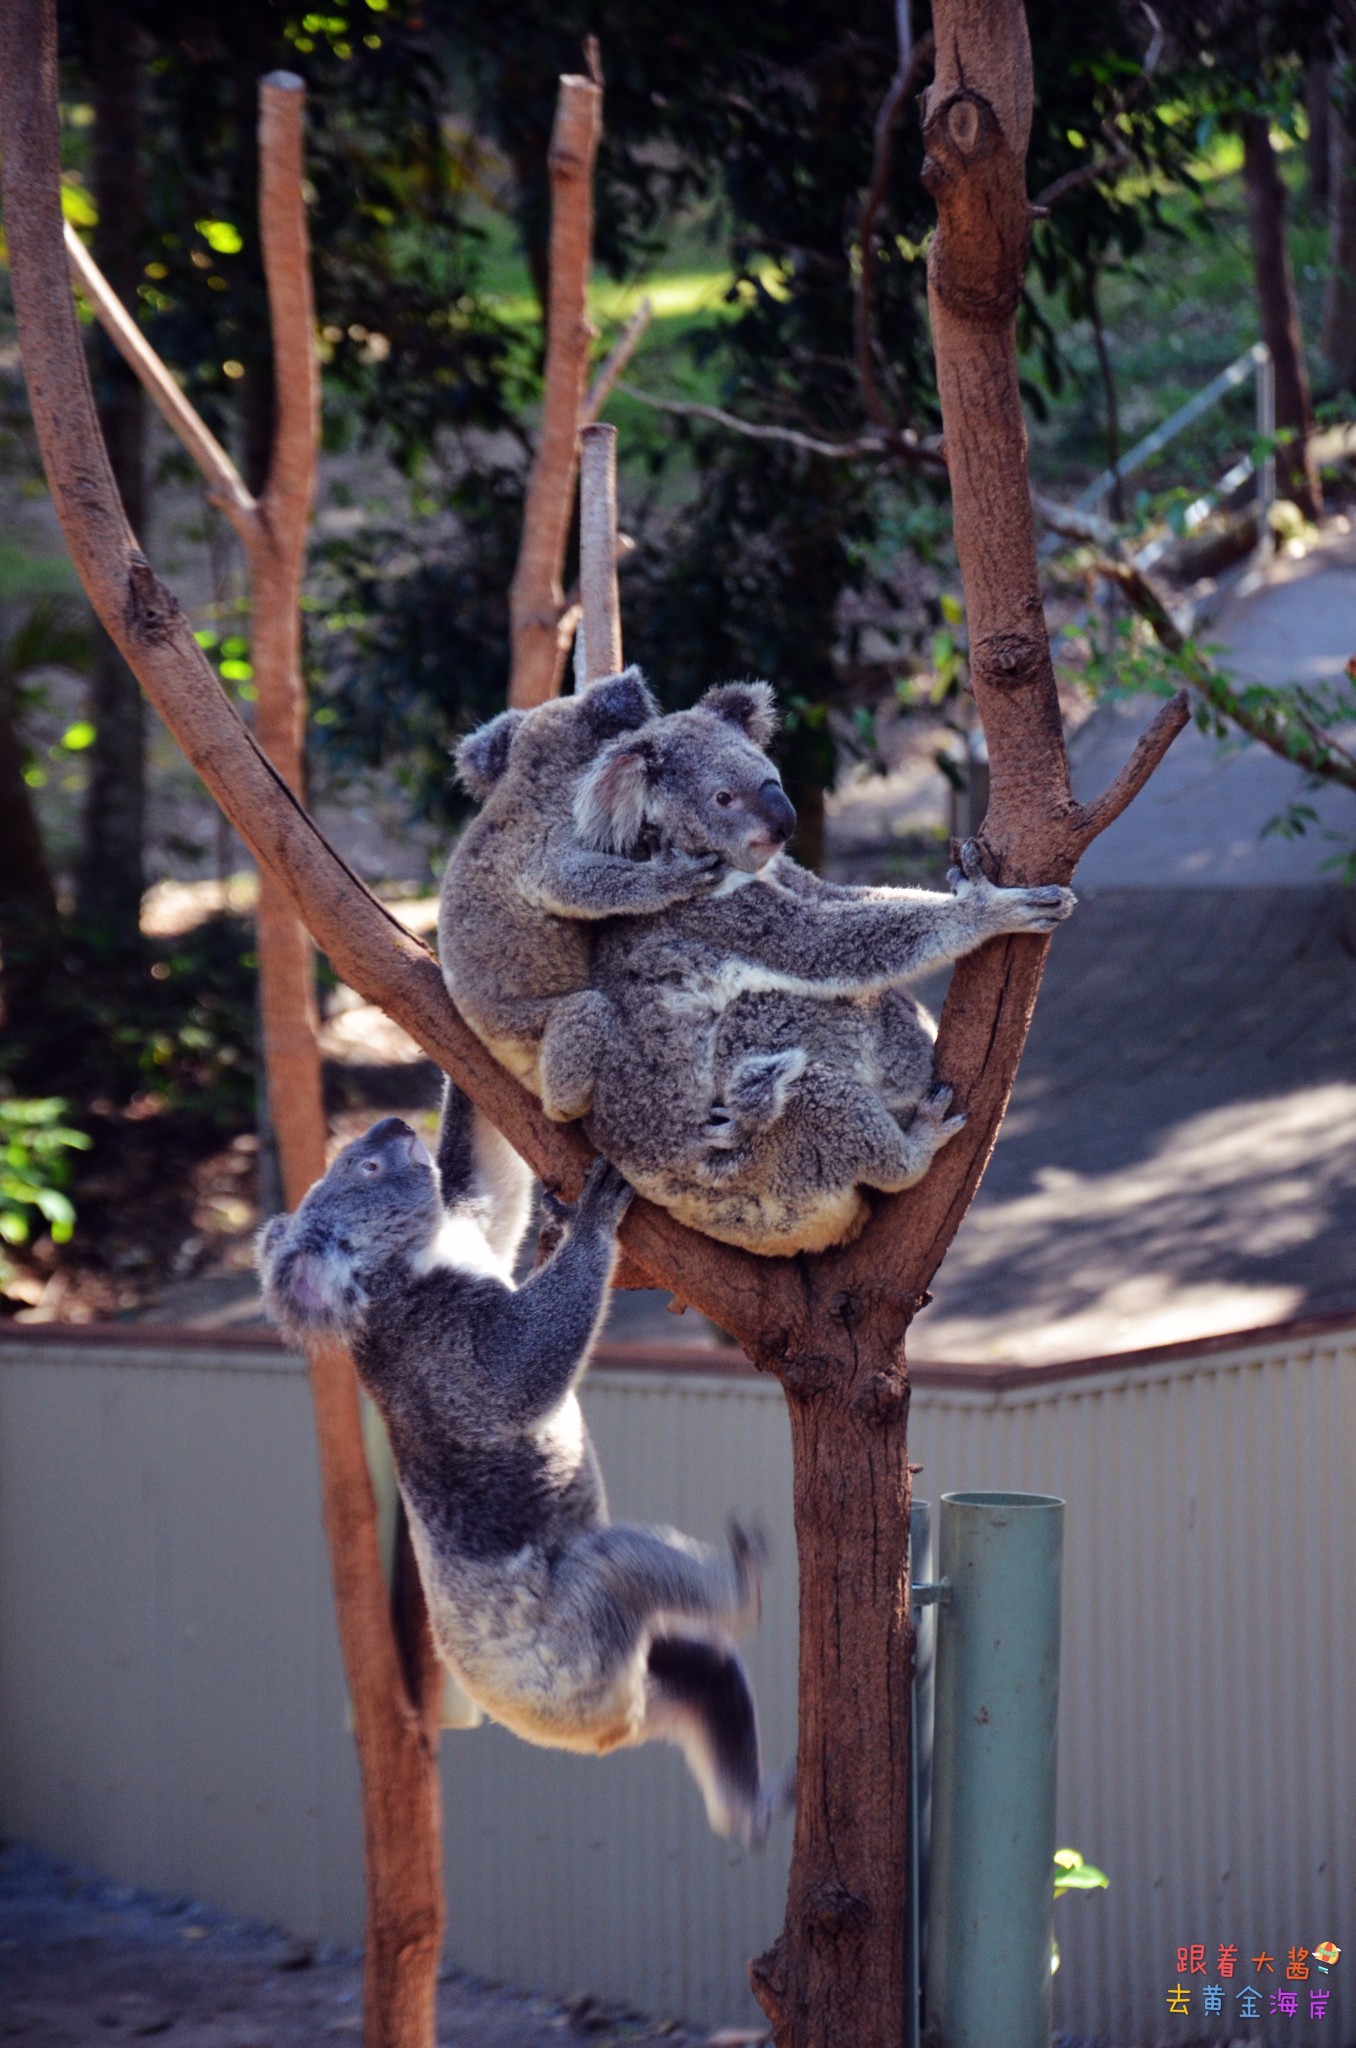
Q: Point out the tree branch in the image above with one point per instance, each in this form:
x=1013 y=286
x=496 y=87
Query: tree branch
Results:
x=620 y=354
x=1149 y=750
x=905 y=445
x=226 y=487
x=285 y=505
x=914 y=59
x=536 y=598
x=600 y=624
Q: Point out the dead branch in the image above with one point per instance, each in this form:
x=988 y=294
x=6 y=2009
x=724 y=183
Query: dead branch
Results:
x=536 y=598
x=600 y=624
x=226 y=487
x=906 y=446
x=620 y=354
x=914 y=59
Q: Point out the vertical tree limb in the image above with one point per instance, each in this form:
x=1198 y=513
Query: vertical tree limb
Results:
x=600 y=600
x=1278 y=315
x=537 y=597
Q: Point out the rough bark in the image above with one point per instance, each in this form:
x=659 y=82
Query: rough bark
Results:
x=1338 y=339
x=1278 y=313
x=537 y=597
x=109 y=870
x=831 y=1327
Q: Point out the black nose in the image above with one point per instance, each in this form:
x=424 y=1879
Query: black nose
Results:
x=389 y=1127
x=777 y=810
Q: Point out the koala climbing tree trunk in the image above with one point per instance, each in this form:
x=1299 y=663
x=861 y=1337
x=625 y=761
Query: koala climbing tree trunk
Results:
x=395 y=1684
x=832 y=1326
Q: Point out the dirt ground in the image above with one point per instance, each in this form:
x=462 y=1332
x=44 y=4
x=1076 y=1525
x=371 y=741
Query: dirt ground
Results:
x=84 y=1962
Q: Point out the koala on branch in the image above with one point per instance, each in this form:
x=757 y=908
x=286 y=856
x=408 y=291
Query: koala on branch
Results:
x=574 y=1632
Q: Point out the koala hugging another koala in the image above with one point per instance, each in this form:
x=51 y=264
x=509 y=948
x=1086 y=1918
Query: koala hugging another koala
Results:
x=574 y=1632
x=622 y=927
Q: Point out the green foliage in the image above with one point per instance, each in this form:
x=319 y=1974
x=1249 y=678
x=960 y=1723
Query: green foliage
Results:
x=1072 y=1874
x=35 y=1144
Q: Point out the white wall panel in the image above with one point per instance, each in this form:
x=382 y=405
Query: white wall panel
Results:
x=171 y=1702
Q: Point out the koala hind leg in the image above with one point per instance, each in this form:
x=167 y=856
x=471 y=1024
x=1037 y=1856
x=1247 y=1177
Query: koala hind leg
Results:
x=576 y=1034
x=697 y=1696
x=869 y=1145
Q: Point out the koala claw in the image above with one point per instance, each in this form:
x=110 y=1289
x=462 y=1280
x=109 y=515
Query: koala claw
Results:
x=690 y=873
x=607 y=1190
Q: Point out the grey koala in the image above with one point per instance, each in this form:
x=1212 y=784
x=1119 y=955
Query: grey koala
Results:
x=573 y=1632
x=525 y=889
x=765 y=1062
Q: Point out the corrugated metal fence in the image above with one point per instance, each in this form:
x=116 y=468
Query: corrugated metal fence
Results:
x=171 y=1702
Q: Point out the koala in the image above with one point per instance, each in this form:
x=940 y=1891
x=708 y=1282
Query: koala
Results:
x=572 y=1631
x=767 y=1063
x=535 y=873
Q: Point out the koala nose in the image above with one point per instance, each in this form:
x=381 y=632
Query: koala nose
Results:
x=776 y=810
x=389 y=1127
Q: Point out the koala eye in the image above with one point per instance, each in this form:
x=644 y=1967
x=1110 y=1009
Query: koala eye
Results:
x=369 y=1166
x=725 y=797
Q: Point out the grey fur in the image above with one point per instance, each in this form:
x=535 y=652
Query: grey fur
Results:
x=767 y=1064
x=594 y=806
x=525 y=885
x=574 y=1632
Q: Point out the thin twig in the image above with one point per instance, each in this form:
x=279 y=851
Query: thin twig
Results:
x=908 y=445
x=600 y=625
x=226 y=487
x=1121 y=154
x=913 y=60
x=620 y=354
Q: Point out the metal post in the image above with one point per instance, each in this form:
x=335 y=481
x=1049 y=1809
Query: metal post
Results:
x=1266 y=431
x=923 y=1595
x=991 y=1892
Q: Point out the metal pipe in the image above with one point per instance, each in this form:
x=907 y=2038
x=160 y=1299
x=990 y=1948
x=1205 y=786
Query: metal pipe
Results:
x=922 y=1597
x=991 y=1890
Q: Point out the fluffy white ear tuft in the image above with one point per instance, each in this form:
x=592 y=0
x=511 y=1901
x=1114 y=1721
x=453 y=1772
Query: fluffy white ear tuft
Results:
x=610 y=803
x=750 y=706
x=482 y=758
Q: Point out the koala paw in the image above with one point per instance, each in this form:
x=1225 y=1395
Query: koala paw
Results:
x=931 y=1122
x=555 y=1221
x=1037 y=909
x=606 y=1195
x=688 y=874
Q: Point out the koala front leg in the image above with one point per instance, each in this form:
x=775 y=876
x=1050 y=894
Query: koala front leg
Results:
x=826 y=945
x=577 y=883
x=531 y=1345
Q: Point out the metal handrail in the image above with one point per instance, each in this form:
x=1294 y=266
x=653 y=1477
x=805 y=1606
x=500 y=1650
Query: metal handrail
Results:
x=1255 y=361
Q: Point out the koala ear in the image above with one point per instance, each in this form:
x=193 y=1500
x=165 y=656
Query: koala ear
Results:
x=750 y=706
x=482 y=758
x=618 y=704
x=269 y=1242
x=611 y=801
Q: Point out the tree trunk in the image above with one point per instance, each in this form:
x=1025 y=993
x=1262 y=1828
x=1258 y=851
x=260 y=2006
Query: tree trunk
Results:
x=1278 y=311
x=835 y=1978
x=1318 y=107
x=1339 y=291
x=109 y=874
x=30 y=927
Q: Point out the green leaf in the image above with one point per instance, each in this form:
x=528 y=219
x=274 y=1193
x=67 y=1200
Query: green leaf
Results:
x=78 y=736
x=221 y=236
x=953 y=611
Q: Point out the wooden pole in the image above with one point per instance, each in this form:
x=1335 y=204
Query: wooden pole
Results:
x=600 y=599
x=537 y=596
